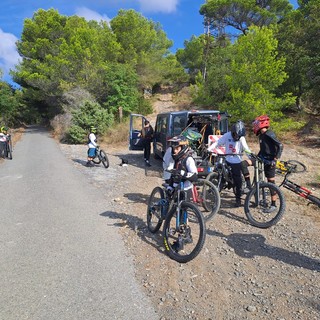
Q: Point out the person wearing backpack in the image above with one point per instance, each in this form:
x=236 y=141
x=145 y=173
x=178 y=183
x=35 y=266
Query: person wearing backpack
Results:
x=178 y=157
x=147 y=136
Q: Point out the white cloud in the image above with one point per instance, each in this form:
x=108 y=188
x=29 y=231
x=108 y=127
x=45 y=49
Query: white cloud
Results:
x=166 y=6
x=9 y=56
x=91 y=15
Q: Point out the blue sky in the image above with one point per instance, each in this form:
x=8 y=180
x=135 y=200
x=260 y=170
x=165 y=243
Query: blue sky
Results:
x=180 y=19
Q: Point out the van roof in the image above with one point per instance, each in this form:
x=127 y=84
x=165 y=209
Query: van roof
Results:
x=193 y=112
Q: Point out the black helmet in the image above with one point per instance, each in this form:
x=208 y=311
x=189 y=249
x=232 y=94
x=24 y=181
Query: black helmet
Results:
x=238 y=130
x=179 y=141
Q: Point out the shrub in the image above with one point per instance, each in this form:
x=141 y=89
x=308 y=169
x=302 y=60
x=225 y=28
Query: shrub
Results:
x=89 y=114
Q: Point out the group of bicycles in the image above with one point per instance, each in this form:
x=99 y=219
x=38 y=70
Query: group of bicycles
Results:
x=184 y=223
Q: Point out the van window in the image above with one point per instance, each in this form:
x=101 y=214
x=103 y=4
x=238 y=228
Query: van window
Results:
x=179 y=123
x=162 y=125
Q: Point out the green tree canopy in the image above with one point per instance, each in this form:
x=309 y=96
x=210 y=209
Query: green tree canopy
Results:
x=256 y=72
x=144 y=45
x=241 y=14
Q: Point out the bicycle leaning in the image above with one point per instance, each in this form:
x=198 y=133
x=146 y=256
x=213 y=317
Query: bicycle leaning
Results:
x=184 y=225
x=289 y=167
x=257 y=205
x=8 y=148
x=101 y=156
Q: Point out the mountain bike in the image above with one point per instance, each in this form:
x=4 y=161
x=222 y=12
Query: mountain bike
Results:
x=257 y=205
x=184 y=225
x=8 y=150
x=221 y=177
x=289 y=167
x=101 y=156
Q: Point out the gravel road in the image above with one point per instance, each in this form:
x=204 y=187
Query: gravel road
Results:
x=242 y=272
x=61 y=256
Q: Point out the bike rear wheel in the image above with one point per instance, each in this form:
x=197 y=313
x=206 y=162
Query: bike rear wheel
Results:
x=104 y=159
x=97 y=159
x=208 y=197
x=257 y=205
x=184 y=233
x=155 y=210
x=9 y=150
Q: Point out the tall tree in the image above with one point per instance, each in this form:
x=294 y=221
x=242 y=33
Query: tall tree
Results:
x=256 y=73
x=299 y=42
x=241 y=14
x=144 y=45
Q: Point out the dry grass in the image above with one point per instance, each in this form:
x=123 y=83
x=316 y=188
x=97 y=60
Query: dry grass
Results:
x=119 y=133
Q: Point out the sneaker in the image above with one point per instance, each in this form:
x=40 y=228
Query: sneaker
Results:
x=148 y=163
x=270 y=209
x=89 y=164
x=238 y=203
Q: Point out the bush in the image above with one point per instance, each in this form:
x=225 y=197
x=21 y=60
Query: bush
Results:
x=89 y=114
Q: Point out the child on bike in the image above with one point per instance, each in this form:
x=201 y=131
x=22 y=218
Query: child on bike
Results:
x=178 y=157
x=235 y=144
x=270 y=150
x=92 y=145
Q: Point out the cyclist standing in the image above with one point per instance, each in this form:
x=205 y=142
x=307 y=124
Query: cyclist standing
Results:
x=92 y=145
x=178 y=157
x=235 y=144
x=3 y=141
x=147 y=135
x=270 y=150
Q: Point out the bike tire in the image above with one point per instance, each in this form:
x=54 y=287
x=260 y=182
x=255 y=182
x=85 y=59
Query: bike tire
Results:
x=155 y=210
x=314 y=199
x=184 y=242
x=9 y=150
x=256 y=209
x=208 y=197
x=213 y=177
x=104 y=158
x=96 y=159
x=298 y=166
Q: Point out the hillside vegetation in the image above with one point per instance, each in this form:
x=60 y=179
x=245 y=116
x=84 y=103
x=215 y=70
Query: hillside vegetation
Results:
x=76 y=73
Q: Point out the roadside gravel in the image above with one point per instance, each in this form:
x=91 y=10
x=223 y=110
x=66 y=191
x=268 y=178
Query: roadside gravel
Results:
x=242 y=273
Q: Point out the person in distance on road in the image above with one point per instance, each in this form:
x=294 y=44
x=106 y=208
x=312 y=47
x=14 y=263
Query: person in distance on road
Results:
x=92 y=145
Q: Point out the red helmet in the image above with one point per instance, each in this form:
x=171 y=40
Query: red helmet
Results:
x=260 y=123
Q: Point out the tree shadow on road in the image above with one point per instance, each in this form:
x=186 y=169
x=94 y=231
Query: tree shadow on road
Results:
x=138 y=226
x=251 y=245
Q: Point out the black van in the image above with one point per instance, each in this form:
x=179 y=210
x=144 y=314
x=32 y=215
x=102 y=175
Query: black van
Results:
x=170 y=124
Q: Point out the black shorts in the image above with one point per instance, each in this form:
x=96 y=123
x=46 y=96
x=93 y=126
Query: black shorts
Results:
x=269 y=171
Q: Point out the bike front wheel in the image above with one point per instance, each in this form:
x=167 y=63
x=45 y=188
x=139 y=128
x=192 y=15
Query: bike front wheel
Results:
x=184 y=232
x=104 y=159
x=258 y=208
x=155 y=210
x=208 y=196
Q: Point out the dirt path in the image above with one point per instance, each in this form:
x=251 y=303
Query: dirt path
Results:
x=242 y=273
